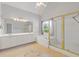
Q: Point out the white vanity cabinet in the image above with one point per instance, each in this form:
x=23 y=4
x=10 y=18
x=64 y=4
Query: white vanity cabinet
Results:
x=12 y=40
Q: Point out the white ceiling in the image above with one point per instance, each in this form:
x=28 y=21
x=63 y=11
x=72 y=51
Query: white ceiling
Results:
x=27 y=6
x=52 y=9
x=59 y=8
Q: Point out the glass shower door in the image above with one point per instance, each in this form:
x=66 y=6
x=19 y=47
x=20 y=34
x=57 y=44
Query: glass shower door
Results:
x=56 y=35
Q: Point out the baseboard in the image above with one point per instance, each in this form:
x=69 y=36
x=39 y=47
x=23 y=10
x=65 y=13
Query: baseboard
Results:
x=69 y=54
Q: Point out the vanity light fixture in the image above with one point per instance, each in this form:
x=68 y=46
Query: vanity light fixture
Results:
x=19 y=19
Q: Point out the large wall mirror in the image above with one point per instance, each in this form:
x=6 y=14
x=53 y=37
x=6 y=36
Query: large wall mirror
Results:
x=11 y=26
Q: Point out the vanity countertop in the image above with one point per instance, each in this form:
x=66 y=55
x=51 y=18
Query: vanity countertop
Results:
x=3 y=35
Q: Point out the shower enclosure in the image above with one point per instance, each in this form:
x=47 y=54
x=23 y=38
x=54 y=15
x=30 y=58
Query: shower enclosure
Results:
x=64 y=32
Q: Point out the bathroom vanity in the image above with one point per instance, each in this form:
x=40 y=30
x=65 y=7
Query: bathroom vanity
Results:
x=11 y=40
x=14 y=33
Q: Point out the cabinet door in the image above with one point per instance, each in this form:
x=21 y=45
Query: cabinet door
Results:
x=5 y=42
